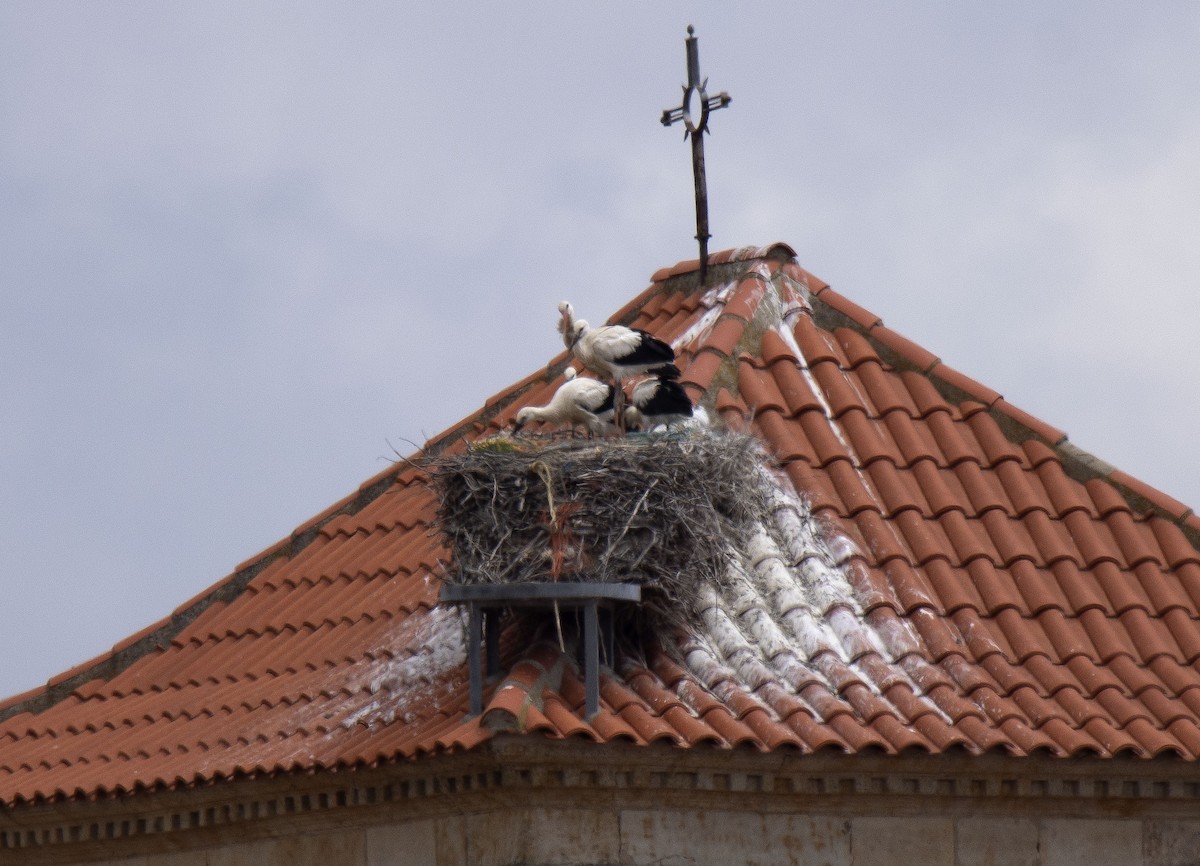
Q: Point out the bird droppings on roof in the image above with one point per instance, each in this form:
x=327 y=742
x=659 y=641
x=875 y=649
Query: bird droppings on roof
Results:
x=399 y=679
x=789 y=340
x=714 y=301
x=790 y=615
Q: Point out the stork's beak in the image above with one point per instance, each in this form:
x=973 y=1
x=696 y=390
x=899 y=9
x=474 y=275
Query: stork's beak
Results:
x=517 y=425
x=565 y=324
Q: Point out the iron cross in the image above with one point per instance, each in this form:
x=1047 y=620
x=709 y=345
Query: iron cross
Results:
x=695 y=89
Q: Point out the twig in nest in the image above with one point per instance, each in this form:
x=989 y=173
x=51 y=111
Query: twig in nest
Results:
x=625 y=528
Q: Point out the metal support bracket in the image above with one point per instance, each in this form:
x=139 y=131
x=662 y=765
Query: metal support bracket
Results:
x=486 y=602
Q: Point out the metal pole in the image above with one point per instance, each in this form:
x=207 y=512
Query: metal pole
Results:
x=473 y=648
x=591 y=659
x=702 y=234
x=491 y=627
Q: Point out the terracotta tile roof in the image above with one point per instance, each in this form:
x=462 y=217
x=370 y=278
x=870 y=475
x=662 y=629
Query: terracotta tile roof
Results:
x=945 y=572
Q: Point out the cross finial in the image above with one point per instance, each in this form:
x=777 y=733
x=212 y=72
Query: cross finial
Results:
x=697 y=87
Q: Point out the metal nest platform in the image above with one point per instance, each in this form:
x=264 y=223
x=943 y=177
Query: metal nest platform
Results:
x=485 y=603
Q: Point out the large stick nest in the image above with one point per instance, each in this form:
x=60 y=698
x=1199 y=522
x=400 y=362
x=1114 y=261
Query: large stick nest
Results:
x=667 y=511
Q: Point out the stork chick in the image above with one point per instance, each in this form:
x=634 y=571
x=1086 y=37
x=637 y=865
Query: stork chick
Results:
x=660 y=400
x=577 y=402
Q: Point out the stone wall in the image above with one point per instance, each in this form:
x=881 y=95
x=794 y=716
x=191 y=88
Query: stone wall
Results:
x=648 y=837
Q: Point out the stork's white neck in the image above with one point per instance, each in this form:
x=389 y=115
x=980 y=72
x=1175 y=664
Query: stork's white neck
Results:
x=534 y=413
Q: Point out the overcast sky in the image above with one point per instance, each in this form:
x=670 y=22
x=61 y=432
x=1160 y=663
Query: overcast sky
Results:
x=245 y=246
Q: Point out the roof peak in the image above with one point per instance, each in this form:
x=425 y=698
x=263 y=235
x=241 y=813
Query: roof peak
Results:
x=777 y=251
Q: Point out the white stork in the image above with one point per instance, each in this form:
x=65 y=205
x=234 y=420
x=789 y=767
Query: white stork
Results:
x=586 y=402
x=614 y=351
x=660 y=400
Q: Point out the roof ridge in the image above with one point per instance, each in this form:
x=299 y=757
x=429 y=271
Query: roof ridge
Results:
x=834 y=310
x=778 y=251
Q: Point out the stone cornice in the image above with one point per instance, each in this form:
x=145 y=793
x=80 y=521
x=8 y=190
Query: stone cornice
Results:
x=513 y=771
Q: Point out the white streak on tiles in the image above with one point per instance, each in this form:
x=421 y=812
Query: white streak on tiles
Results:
x=789 y=340
x=439 y=636
x=716 y=298
x=786 y=615
x=932 y=704
x=715 y=301
x=759 y=269
x=812 y=635
x=794 y=298
x=898 y=636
